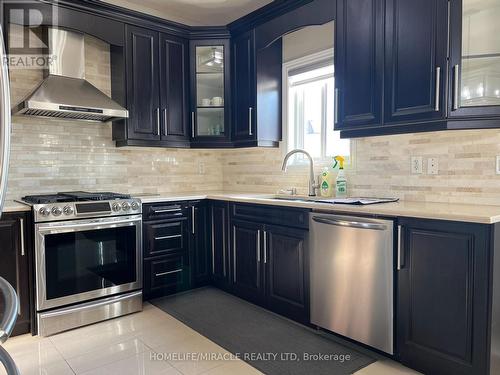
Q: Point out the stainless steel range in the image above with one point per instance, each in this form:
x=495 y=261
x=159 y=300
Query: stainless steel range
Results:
x=88 y=258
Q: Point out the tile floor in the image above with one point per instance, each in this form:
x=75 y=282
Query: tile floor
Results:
x=128 y=345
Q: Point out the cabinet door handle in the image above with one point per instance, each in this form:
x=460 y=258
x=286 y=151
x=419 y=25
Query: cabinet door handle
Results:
x=336 y=109
x=167 y=210
x=168 y=272
x=193 y=217
x=168 y=237
x=265 y=246
x=21 y=224
x=234 y=253
x=158 y=121
x=438 y=88
x=258 y=246
x=456 y=82
x=165 y=121
x=400 y=250
x=192 y=124
x=213 y=241
x=250 y=113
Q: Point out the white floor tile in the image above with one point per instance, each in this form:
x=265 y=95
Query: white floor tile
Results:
x=386 y=367
x=54 y=368
x=103 y=356
x=233 y=368
x=198 y=346
x=140 y=364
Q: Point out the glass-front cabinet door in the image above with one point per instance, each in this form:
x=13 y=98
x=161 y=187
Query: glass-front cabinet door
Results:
x=475 y=58
x=209 y=98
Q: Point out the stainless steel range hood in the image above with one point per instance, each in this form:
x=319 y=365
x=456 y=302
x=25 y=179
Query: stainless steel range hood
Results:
x=64 y=93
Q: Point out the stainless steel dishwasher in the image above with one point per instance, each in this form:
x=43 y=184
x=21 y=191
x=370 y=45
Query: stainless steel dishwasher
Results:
x=352 y=267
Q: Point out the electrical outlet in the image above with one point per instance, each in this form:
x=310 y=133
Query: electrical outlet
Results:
x=498 y=164
x=432 y=166
x=417 y=165
x=201 y=167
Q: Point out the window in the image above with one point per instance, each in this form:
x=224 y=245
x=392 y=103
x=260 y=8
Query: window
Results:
x=309 y=112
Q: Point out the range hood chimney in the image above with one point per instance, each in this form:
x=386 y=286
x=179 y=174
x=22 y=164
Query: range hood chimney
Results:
x=64 y=93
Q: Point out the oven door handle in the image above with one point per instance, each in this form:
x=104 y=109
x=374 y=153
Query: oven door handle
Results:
x=97 y=224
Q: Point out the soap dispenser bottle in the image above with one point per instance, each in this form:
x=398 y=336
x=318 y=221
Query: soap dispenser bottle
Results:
x=341 y=181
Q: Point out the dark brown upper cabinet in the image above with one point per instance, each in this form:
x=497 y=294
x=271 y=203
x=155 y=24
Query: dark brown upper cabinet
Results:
x=433 y=74
x=256 y=92
x=415 y=60
x=210 y=93
x=156 y=76
x=474 y=60
x=359 y=62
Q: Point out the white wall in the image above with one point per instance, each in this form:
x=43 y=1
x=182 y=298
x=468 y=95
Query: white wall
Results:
x=307 y=41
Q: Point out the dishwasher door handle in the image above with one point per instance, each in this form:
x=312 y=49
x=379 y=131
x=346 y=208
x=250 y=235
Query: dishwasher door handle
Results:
x=349 y=223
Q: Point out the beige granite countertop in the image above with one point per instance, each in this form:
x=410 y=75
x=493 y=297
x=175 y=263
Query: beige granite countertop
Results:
x=426 y=210
x=13 y=206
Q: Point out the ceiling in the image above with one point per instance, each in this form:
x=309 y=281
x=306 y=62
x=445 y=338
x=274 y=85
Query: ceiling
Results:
x=194 y=12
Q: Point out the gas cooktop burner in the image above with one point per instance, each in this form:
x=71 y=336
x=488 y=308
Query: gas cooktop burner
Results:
x=73 y=196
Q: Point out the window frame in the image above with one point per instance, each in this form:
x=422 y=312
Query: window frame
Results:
x=291 y=65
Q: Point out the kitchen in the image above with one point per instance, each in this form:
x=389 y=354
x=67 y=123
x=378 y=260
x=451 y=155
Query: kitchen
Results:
x=158 y=217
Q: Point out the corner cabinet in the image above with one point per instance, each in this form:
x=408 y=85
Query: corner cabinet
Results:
x=16 y=253
x=256 y=92
x=156 y=90
x=210 y=88
x=444 y=296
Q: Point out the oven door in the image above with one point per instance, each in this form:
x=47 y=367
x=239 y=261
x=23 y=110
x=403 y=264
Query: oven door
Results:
x=80 y=260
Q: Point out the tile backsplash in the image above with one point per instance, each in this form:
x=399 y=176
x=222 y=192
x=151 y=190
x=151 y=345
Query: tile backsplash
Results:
x=52 y=155
x=467 y=163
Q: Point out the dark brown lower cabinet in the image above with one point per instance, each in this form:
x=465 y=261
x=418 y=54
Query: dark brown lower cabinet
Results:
x=445 y=296
x=287 y=272
x=248 y=260
x=15 y=252
x=219 y=227
x=201 y=259
x=166 y=275
x=270 y=267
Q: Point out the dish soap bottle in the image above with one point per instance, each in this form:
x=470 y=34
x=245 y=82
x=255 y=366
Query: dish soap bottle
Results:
x=341 y=181
x=326 y=184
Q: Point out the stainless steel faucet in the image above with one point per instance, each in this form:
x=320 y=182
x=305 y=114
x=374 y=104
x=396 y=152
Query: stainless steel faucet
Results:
x=312 y=183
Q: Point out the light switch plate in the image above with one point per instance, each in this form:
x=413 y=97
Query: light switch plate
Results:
x=417 y=165
x=201 y=167
x=432 y=166
x=498 y=164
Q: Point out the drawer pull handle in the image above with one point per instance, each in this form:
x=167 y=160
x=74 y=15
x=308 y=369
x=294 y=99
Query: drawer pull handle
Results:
x=168 y=237
x=168 y=272
x=167 y=210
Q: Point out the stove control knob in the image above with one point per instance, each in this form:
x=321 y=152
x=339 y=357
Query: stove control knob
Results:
x=125 y=206
x=135 y=206
x=56 y=211
x=44 y=211
x=116 y=207
x=68 y=210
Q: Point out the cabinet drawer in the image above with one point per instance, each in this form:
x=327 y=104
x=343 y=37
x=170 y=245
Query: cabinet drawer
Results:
x=166 y=275
x=162 y=238
x=289 y=217
x=164 y=211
